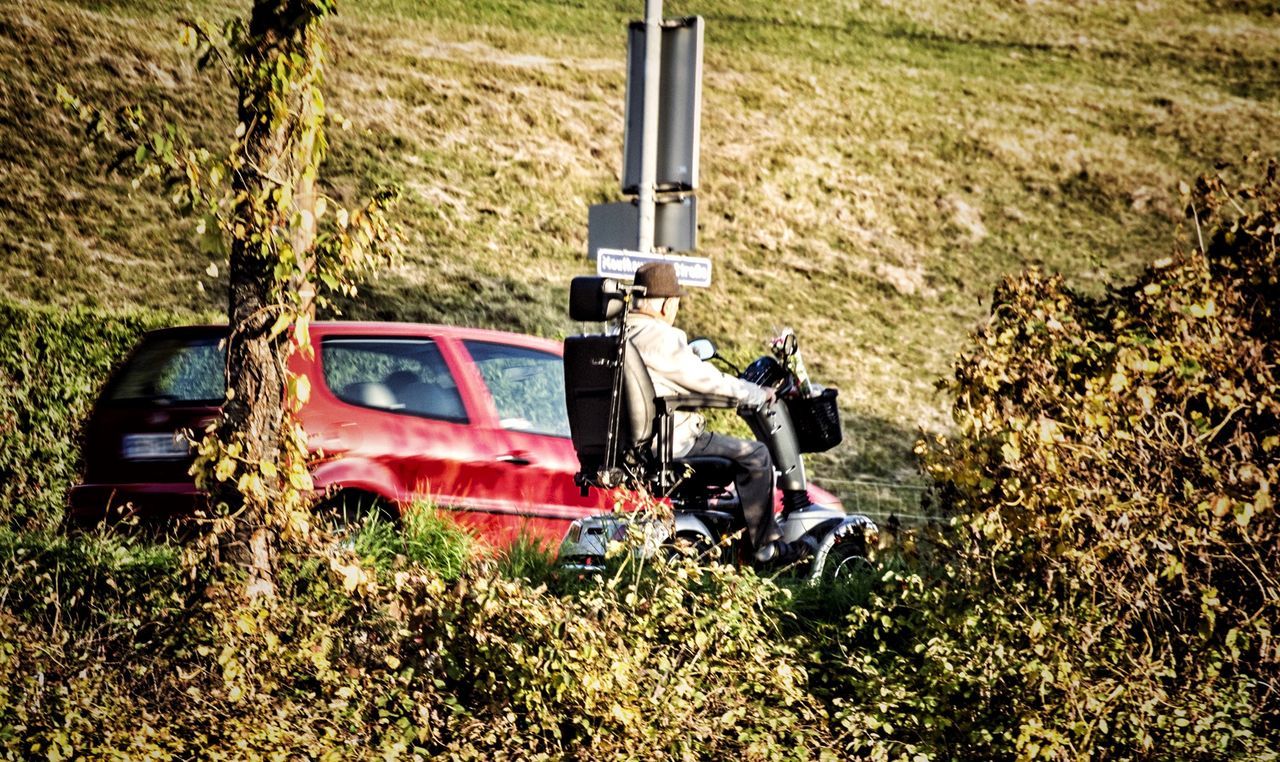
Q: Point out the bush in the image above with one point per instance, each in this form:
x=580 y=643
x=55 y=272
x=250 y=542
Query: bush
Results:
x=82 y=619
x=52 y=362
x=1107 y=585
x=108 y=648
x=682 y=663
x=97 y=585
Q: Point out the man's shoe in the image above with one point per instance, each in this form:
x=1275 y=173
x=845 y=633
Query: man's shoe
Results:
x=779 y=554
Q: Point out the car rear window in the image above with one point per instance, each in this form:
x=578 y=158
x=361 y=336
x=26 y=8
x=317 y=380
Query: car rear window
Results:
x=169 y=369
x=527 y=386
x=399 y=375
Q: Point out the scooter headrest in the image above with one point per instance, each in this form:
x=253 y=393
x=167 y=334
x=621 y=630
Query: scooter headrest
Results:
x=595 y=299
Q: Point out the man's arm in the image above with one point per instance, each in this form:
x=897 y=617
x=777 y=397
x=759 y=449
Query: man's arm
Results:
x=676 y=362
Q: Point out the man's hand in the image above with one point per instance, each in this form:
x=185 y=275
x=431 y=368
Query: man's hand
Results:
x=770 y=396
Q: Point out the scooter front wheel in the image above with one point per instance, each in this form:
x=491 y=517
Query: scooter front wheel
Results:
x=844 y=560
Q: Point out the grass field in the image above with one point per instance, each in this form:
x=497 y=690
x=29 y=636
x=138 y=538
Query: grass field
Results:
x=870 y=169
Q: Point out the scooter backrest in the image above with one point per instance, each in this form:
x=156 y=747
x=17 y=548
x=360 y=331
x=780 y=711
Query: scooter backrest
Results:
x=588 y=389
x=637 y=395
x=589 y=363
x=595 y=299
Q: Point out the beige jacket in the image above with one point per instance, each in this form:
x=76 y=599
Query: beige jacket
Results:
x=675 y=369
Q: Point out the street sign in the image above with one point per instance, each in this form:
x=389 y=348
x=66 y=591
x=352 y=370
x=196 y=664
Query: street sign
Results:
x=617 y=225
x=621 y=263
x=679 y=105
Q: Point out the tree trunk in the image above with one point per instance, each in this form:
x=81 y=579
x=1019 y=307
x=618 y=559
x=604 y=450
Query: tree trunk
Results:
x=253 y=415
x=276 y=150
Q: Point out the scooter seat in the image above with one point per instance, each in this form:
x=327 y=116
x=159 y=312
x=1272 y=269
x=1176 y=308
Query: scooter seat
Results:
x=710 y=470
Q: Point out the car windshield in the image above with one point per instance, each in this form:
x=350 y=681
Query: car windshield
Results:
x=527 y=387
x=171 y=369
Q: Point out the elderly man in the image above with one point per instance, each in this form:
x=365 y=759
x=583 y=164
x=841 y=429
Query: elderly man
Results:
x=675 y=369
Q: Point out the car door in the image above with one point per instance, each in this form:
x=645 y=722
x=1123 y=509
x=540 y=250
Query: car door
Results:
x=526 y=388
x=401 y=411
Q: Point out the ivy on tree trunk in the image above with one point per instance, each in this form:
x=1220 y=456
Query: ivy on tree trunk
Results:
x=285 y=257
x=281 y=113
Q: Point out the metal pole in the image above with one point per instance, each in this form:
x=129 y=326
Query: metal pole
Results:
x=649 y=139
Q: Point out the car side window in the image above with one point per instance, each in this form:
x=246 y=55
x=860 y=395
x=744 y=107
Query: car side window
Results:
x=527 y=386
x=399 y=375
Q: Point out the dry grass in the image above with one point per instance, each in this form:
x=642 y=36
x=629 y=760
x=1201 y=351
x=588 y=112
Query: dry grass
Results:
x=870 y=169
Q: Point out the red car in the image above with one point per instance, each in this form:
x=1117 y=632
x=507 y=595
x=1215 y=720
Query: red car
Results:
x=472 y=420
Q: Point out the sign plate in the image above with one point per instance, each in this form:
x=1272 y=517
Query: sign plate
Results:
x=617 y=225
x=622 y=263
x=679 y=105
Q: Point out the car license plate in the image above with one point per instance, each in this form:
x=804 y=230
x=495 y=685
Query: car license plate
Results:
x=154 y=446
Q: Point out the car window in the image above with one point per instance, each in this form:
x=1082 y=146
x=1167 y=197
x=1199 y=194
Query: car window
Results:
x=400 y=375
x=527 y=386
x=173 y=369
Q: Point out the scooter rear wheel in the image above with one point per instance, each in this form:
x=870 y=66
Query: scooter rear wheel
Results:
x=694 y=544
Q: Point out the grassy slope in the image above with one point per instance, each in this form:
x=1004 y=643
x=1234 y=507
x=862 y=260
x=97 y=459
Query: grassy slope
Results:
x=869 y=169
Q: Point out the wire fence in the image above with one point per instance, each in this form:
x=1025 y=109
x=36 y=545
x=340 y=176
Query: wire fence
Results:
x=880 y=499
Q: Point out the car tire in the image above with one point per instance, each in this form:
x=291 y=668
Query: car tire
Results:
x=344 y=513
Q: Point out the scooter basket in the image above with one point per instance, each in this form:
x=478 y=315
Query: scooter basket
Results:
x=816 y=420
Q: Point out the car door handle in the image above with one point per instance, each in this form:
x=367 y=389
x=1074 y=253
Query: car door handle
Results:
x=515 y=458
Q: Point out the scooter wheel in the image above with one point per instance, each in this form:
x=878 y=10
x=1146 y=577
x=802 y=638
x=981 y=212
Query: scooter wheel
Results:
x=845 y=560
x=690 y=544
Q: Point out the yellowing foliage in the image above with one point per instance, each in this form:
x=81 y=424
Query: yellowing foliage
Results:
x=1108 y=582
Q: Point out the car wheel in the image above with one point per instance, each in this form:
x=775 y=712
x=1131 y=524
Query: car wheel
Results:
x=345 y=514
